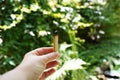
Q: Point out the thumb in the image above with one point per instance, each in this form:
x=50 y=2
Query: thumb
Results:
x=50 y=57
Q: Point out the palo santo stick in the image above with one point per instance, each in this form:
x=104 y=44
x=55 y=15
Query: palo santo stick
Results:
x=56 y=41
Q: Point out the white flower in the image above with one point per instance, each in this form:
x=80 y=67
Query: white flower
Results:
x=31 y=33
x=13 y=16
x=101 y=32
x=1 y=41
x=34 y=7
x=43 y=33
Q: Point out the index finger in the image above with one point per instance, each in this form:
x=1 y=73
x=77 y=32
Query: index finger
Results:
x=43 y=50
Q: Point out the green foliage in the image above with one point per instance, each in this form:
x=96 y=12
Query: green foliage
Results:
x=61 y=74
x=26 y=25
x=111 y=12
x=105 y=50
x=66 y=70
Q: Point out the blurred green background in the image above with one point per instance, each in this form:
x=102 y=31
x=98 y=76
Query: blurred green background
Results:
x=89 y=34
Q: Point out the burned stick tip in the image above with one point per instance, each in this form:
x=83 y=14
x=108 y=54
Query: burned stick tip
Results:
x=56 y=32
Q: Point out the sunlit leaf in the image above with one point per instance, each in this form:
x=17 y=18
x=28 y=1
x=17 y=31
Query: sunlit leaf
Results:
x=64 y=46
x=73 y=64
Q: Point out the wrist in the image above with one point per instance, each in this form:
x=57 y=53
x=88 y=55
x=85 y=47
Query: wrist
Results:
x=14 y=75
x=29 y=73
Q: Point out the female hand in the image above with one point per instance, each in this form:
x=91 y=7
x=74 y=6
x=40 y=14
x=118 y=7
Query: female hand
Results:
x=36 y=65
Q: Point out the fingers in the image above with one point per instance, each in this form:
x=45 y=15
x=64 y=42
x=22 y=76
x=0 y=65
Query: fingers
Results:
x=42 y=51
x=50 y=57
x=47 y=73
x=49 y=70
x=52 y=64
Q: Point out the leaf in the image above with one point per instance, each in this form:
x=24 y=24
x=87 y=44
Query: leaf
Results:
x=73 y=64
x=58 y=75
x=64 y=46
x=68 y=65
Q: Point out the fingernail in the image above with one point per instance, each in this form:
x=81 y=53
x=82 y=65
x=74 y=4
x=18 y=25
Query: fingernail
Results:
x=56 y=54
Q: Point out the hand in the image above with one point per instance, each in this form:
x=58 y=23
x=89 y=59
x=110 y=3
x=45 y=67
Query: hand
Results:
x=36 y=65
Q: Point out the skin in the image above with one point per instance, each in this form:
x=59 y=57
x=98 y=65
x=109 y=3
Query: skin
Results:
x=36 y=65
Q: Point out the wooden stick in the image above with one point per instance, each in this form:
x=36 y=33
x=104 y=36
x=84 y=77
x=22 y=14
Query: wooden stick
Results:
x=56 y=41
